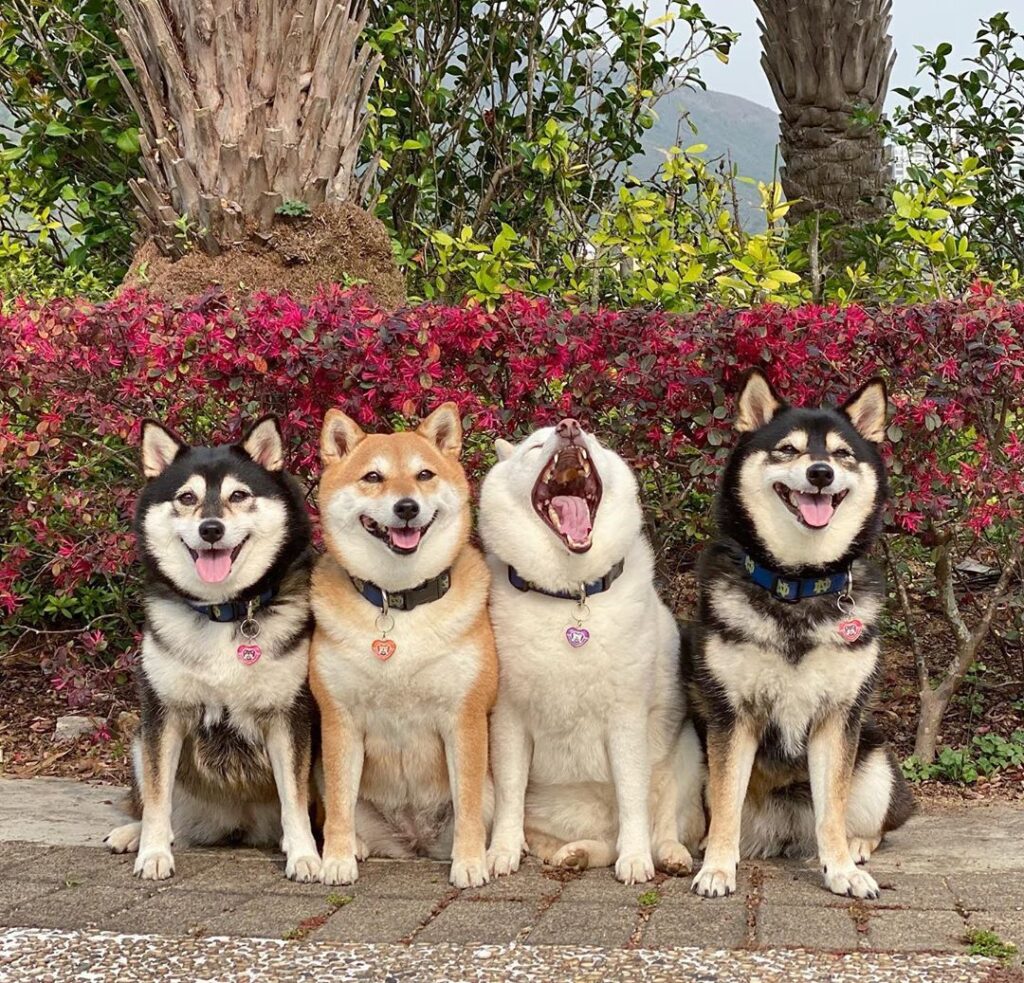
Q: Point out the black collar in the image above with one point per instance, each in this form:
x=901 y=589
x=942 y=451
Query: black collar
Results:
x=593 y=587
x=237 y=610
x=405 y=600
x=793 y=589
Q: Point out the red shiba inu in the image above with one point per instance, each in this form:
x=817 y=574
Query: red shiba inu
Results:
x=403 y=663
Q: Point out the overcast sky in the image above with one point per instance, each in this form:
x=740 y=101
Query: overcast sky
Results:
x=924 y=22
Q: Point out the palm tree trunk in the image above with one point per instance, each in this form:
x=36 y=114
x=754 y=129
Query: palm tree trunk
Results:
x=827 y=61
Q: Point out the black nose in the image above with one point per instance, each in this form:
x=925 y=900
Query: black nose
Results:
x=820 y=475
x=212 y=530
x=407 y=509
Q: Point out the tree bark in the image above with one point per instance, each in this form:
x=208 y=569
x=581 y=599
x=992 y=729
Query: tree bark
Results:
x=243 y=104
x=825 y=61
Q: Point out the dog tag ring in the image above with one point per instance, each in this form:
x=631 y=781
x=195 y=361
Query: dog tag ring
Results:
x=249 y=653
x=576 y=635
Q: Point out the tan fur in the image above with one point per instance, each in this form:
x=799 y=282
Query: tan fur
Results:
x=443 y=675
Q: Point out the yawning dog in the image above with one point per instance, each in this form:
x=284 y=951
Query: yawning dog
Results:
x=591 y=763
x=785 y=655
x=226 y=713
x=403 y=664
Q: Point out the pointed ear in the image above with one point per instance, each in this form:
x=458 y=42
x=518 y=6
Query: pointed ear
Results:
x=504 y=449
x=866 y=410
x=339 y=436
x=264 y=444
x=160 y=447
x=758 y=402
x=443 y=428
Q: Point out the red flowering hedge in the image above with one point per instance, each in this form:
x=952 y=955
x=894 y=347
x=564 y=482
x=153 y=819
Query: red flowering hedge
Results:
x=75 y=379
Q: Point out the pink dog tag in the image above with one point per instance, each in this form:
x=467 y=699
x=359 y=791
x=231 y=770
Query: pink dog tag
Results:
x=249 y=654
x=576 y=636
x=851 y=629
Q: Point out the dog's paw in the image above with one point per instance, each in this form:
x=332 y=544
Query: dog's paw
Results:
x=634 y=868
x=362 y=850
x=339 y=870
x=861 y=848
x=304 y=868
x=124 y=839
x=504 y=859
x=673 y=858
x=154 y=864
x=469 y=872
x=851 y=882
x=714 y=882
x=571 y=856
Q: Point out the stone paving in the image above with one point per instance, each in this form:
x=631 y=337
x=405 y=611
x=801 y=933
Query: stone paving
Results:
x=947 y=873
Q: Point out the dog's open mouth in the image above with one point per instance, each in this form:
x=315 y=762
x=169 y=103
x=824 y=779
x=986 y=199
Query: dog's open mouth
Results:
x=567 y=494
x=814 y=511
x=214 y=564
x=399 y=539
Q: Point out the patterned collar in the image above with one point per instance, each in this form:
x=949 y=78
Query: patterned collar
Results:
x=793 y=589
x=237 y=610
x=594 y=587
x=405 y=600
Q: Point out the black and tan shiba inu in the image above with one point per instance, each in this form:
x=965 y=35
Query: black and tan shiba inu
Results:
x=226 y=711
x=785 y=652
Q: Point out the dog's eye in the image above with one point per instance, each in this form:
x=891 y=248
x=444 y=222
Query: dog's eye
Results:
x=187 y=498
x=238 y=496
x=425 y=475
x=842 y=452
x=373 y=477
x=786 y=449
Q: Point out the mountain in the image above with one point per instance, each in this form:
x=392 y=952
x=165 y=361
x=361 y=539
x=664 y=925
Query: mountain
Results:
x=744 y=130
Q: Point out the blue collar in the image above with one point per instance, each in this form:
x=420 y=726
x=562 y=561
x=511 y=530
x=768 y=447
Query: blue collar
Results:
x=793 y=589
x=405 y=600
x=234 y=610
x=594 y=587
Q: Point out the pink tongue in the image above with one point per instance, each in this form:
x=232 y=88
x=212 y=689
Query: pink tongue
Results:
x=404 y=537
x=573 y=517
x=213 y=565
x=816 y=509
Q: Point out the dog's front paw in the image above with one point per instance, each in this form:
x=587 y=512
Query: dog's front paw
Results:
x=339 y=870
x=471 y=872
x=861 y=848
x=673 y=858
x=124 y=839
x=304 y=868
x=714 y=882
x=154 y=864
x=851 y=882
x=634 y=868
x=504 y=858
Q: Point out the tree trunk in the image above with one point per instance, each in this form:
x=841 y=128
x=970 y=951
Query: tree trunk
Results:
x=825 y=61
x=243 y=105
x=933 y=708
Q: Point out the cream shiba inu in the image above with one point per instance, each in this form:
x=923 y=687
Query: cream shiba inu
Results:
x=592 y=764
x=403 y=664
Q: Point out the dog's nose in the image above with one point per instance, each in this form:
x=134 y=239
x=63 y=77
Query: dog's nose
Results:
x=820 y=475
x=407 y=509
x=212 y=530
x=569 y=429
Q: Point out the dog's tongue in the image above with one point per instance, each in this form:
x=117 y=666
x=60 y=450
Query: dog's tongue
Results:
x=573 y=517
x=213 y=565
x=404 y=537
x=816 y=510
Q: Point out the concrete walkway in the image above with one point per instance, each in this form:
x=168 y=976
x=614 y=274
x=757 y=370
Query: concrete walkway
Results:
x=66 y=903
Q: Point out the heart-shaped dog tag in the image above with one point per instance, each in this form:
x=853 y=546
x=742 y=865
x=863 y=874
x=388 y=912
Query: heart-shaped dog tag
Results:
x=851 y=629
x=383 y=648
x=577 y=636
x=249 y=654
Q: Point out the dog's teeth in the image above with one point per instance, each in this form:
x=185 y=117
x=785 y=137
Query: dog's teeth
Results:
x=586 y=467
x=552 y=514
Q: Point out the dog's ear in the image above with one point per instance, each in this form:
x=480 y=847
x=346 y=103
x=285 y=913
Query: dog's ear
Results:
x=866 y=410
x=758 y=402
x=339 y=436
x=443 y=428
x=160 y=447
x=504 y=449
x=264 y=444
